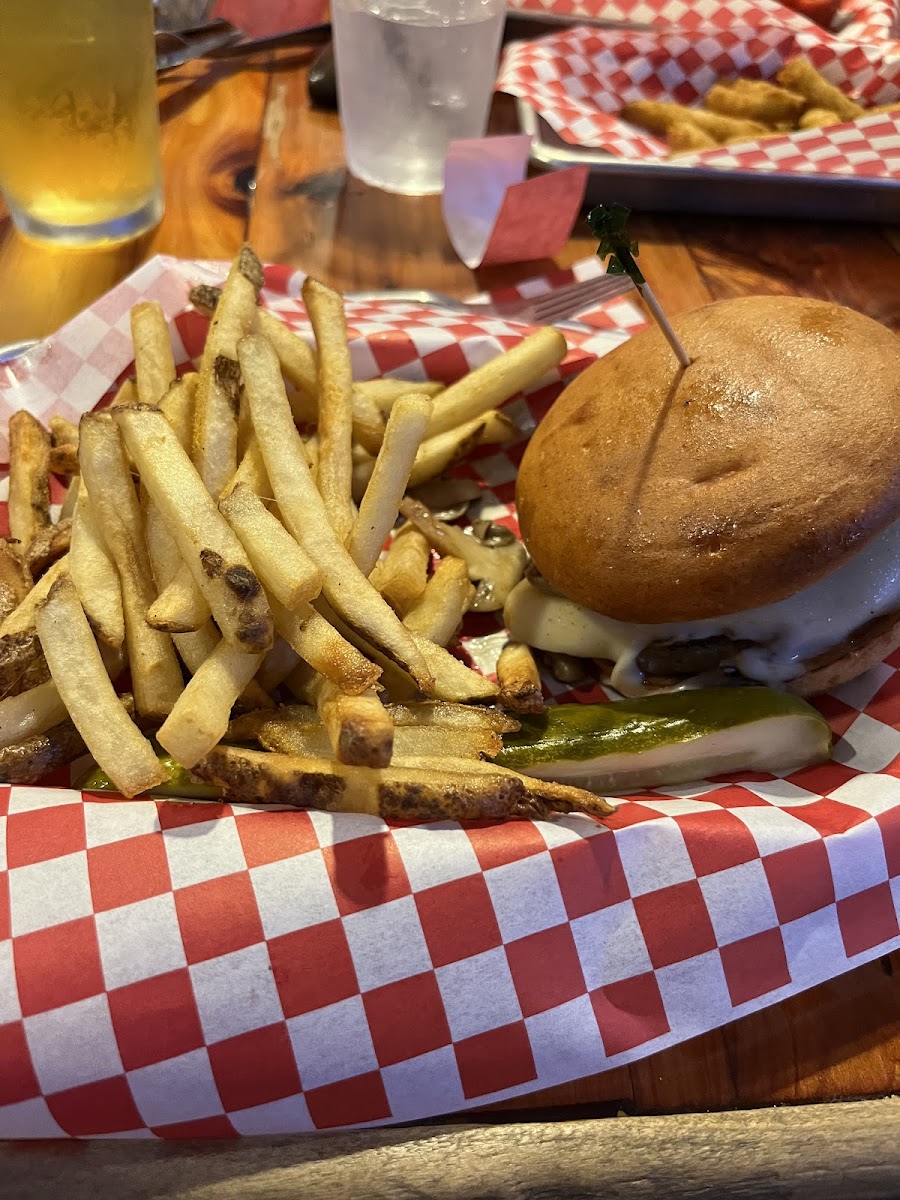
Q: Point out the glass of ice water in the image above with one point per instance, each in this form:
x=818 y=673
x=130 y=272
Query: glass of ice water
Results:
x=412 y=76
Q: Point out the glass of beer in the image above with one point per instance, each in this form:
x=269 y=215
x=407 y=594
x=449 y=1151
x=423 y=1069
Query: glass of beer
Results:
x=79 y=125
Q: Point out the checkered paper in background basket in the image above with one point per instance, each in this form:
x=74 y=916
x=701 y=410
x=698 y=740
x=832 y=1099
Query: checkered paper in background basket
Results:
x=207 y=969
x=580 y=78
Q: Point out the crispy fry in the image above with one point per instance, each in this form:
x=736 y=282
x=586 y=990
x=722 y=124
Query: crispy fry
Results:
x=15 y=578
x=48 y=545
x=448 y=596
x=359 y=728
x=127 y=393
x=63 y=460
x=156 y=677
x=177 y=406
x=318 y=643
x=405 y=428
x=181 y=607
x=286 y=570
x=801 y=76
x=496 y=381
x=305 y=516
x=63 y=432
x=402 y=574
x=817 y=118
x=496 y=569
x=251 y=473
x=453 y=716
x=658 y=117
x=277 y=665
x=452 y=791
x=386 y=392
x=684 y=137
x=334 y=476
x=29 y=477
x=309 y=739
x=755 y=100
x=31 y=712
x=297 y=357
x=207 y=544
x=438 y=453
x=519 y=679
x=200 y=718
x=214 y=446
x=21 y=619
x=77 y=669
x=154 y=363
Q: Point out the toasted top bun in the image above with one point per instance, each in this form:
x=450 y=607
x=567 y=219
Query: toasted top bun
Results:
x=655 y=493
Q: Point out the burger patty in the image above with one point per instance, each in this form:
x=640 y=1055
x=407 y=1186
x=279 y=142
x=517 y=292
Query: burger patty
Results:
x=665 y=663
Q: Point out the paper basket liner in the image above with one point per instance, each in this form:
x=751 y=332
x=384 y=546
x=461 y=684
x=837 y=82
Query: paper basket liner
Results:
x=181 y=970
x=580 y=78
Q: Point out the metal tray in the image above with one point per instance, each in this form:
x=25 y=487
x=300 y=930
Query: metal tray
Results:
x=675 y=187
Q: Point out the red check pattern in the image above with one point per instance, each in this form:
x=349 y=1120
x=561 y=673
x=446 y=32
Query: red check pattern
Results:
x=203 y=970
x=580 y=78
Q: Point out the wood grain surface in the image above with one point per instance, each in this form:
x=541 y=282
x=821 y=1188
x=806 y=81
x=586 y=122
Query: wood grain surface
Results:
x=839 y=1152
x=244 y=156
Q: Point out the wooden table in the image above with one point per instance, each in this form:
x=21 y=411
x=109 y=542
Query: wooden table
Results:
x=245 y=158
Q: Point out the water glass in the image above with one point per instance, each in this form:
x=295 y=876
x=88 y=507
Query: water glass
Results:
x=413 y=75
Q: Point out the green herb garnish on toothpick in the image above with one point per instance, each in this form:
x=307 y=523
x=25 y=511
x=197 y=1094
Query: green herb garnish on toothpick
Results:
x=607 y=222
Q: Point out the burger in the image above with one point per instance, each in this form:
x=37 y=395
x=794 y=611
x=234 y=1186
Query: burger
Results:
x=736 y=519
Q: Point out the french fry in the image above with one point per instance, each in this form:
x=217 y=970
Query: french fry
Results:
x=207 y=544
x=378 y=511
x=448 y=791
x=277 y=665
x=214 y=444
x=519 y=679
x=21 y=619
x=755 y=100
x=31 y=712
x=496 y=569
x=431 y=714
x=127 y=393
x=181 y=607
x=156 y=677
x=335 y=427
x=251 y=473
x=817 y=118
x=801 y=76
x=154 y=363
x=386 y=392
x=297 y=357
x=49 y=544
x=200 y=718
x=402 y=574
x=304 y=514
x=94 y=574
x=77 y=669
x=67 y=509
x=285 y=569
x=448 y=596
x=438 y=453
x=310 y=740
x=15 y=578
x=33 y=758
x=62 y=432
x=659 y=116
x=29 y=477
x=488 y=386
x=63 y=460
x=318 y=643
x=359 y=728
x=177 y=406
x=684 y=137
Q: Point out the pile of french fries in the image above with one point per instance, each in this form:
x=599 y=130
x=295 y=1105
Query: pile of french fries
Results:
x=222 y=539
x=738 y=110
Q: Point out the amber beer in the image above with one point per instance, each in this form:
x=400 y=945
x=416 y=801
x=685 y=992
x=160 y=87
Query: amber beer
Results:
x=79 y=127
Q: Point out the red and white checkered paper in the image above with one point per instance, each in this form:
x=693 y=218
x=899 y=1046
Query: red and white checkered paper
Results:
x=181 y=970
x=580 y=78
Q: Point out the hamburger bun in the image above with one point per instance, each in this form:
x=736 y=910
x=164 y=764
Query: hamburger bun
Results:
x=654 y=493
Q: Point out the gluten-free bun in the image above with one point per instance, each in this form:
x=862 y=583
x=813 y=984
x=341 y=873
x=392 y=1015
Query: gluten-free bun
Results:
x=654 y=493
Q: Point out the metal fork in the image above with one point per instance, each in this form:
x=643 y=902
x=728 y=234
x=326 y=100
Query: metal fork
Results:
x=550 y=307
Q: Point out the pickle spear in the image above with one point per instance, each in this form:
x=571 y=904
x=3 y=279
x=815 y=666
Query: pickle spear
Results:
x=181 y=784
x=676 y=737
